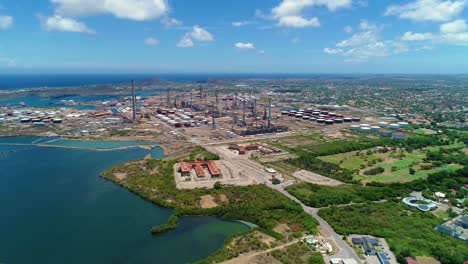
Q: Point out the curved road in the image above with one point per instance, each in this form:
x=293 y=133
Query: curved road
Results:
x=257 y=171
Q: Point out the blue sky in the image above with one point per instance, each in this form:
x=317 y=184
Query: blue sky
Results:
x=242 y=36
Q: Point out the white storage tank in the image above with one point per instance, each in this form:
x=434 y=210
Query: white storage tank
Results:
x=355 y=127
x=365 y=125
x=366 y=129
x=394 y=126
x=403 y=124
x=375 y=128
x=383 y=124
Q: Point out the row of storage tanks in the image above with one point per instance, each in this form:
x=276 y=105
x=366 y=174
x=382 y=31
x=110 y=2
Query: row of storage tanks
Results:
x=320 y=116
x=180 y=118
x=366 y=128
x=26 y=116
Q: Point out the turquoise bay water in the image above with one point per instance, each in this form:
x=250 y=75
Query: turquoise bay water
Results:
x=98 y=144
x=56 y=209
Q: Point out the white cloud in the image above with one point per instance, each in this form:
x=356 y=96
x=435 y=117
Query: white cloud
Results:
x=240 y=23
x=198 y=34
x=171 y=22
x=151 y=41
x=460 y=39
x=295 y=40
x=298 y=22
x=126 y=9
x=244 y=46
x=348 y=29
x=6 y=22
x=454 y=26
x=428 y=10
x=332 y=51
x=185 y=42
x=289 y=12
x=59 y=23
x=365 y=44
x=410 y=36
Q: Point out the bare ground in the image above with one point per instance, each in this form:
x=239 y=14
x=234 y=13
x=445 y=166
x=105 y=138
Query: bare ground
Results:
x=207 y=201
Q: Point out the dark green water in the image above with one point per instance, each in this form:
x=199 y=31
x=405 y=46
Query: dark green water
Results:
x=55 y=209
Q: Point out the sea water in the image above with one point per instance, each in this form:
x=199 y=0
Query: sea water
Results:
x=56 y=209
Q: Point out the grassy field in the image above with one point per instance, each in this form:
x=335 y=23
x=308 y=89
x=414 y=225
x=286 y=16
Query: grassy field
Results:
x=396 y=168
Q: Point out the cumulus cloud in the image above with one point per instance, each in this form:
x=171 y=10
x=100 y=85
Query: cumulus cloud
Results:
x=126 y=9
x=171 y=22
x=240 y=23
x=289 y=12
x=332 y=51
x=59 y=23
x=428 y=10
x=6 y=22
x=298 y=22
x=185 y=42
x=197 y=34
x=244 y=46
x=454 y=33
x=454 y=26
x=365 y=44
x=410 y=36
x=348 y=29
x=151 y=41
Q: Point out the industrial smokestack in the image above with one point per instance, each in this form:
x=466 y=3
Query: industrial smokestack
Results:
x=269 y=113
x=133 y=102
x=243 y=112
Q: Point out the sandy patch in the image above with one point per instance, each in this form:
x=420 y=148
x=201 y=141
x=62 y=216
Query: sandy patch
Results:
x=315 y=178
x=427 y=260
x=223 y=198
x=147 y=157
x=207 y=201
x=120 y=175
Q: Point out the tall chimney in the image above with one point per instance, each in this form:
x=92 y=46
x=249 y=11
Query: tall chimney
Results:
x=269 y=113
x=133 y=102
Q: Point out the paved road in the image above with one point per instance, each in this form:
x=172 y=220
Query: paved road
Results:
x=258 y=171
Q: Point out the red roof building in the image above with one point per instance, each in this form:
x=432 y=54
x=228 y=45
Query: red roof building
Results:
x=186 y=168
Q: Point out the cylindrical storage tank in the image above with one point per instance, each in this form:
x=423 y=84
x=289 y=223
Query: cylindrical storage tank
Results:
x=305 y=117
x=355 y=127
x=324 y=112
x=292 y=113
x=329 y=122
x=403 y=124
x=332 y=114
x=356 y=119
x=365 y=129
x=364 y=125
x=320 y=120
x=394 y=126
x=298 y=115
x=316 y=113
x=385 y=133
x=338 y=120
x=313 y=119
x=284 y=113
x=375 y=128
x=383 y=124
x=2 y=120
x=348 y=120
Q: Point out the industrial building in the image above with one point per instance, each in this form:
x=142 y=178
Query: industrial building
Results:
x=199 y=167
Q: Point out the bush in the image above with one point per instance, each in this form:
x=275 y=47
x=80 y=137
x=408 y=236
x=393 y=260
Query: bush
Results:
x=374 y=171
